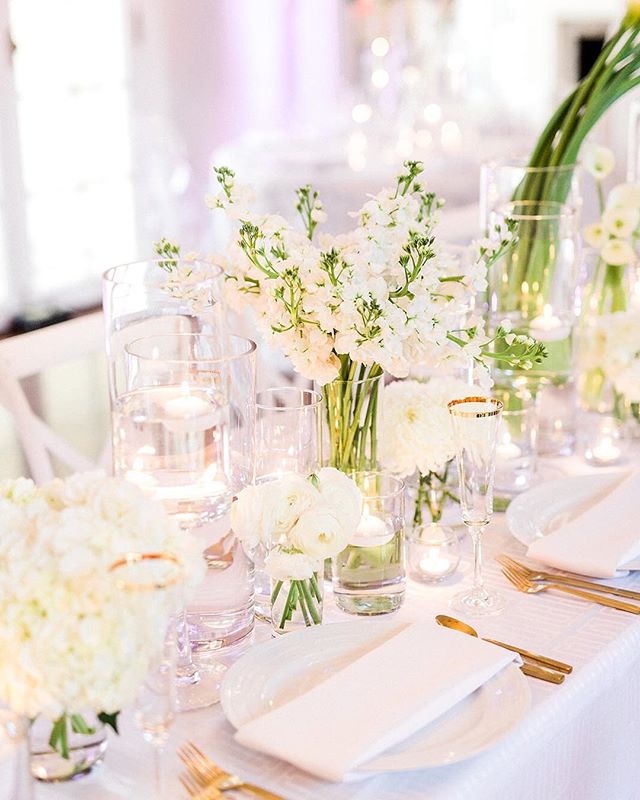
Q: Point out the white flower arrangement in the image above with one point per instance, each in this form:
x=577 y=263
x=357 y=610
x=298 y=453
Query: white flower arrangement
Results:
x=417 y=436
x=68 y=644
x=611 y=345
x=301 y=521
x=382 y=295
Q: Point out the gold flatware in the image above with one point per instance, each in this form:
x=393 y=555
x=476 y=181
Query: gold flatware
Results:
x=522 y=584
x=208 y=774
x=537 y=670
x=197 y=792
x=579 y=583
x=459 y=625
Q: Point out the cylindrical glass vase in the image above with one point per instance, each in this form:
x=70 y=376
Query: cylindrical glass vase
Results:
x=146 y=298
x=16 y=782
x=369 y=575
x=87 y=744
x=353 y=411
x=297 y=603
x=505 y=181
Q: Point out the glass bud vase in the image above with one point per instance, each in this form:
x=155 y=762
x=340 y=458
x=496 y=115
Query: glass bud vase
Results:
x=353 y=409
x=87 y=742
x=297 y=603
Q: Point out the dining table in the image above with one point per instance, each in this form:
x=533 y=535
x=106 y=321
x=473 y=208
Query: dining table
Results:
x=578 y=740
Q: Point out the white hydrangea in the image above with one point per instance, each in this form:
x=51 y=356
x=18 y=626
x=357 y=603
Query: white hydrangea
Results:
x=69 y=642
x=417 y=432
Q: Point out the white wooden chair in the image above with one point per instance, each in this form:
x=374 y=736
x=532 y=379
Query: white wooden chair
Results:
x=28 y=355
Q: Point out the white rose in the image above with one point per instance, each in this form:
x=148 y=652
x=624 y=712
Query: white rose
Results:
x=342 y=495
x=621 y=222
x=320 y=534
x=282 y=565
x=595 y=235
x=618 y=252
x=625 y=195
x=598 y=160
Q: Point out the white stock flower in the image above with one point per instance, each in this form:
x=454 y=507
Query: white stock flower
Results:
x=599 y=161
x=618 y=253
x=320 y=533
x=281 y=565
x=621 y=222
x=596 y=236
x=625 y=195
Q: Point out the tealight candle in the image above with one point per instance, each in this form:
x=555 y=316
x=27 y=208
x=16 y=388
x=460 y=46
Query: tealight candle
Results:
x=603 y=445
x=186 y=406
x=433 y=553
x=548 y=327
x=605 y=451
x=508 y=450
x=371 y=531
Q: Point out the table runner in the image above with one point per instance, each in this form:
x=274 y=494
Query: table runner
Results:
x=579 y=741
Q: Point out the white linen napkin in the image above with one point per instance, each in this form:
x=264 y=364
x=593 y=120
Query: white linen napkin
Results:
x=376 y=701
x=600 y=540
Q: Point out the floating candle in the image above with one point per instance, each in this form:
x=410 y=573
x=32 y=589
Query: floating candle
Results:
x=548 y=327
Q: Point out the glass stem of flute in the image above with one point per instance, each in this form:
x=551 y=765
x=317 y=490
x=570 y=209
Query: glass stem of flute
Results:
x=186 y=667
x=476 y=539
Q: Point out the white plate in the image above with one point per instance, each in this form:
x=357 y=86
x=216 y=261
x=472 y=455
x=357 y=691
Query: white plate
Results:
x=533 y=514
x=272 y=673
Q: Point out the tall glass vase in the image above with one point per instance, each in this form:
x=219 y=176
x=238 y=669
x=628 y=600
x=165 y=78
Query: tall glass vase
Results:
x=505 y=181
x=353 y=409
x=534 y=287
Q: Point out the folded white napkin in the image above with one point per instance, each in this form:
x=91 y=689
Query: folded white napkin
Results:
x=600 y=540
x=376 y=701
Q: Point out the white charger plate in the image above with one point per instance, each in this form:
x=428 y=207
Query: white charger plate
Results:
x=275 y=672
x=535 y=513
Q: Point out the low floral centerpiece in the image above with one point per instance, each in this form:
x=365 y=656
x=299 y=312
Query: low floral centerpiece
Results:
x=301 y=521
x=72 y=654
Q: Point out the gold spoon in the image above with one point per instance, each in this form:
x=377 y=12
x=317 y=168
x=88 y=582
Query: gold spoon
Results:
x=550 y=672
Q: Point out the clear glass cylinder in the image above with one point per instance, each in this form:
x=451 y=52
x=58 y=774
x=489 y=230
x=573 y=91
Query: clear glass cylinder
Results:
x=369 y=575
x=15 y=771
x=503 y=181
x=141 y=299
x=534 y=285
x=297 y=604
x=516 y=449
x=184 y=421
x=353 y=412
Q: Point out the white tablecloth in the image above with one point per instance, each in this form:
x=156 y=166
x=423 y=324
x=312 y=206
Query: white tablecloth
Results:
x=578 y=742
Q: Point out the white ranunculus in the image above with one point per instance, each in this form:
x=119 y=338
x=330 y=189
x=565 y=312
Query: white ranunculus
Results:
x=320 y=533
x=596 y=236
x=621 y=222
x=625 y=195
x=281 y=565
x=599 y=161
x=287 y=500
x=618 y=253
x=248 y=516
x=342 y=494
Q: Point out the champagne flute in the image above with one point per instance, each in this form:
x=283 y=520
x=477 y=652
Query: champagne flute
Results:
x=150 y=584
x=476 y=422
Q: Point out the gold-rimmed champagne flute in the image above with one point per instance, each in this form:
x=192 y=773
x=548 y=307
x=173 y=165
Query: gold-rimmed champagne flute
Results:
x=150 y=586
x=476 y=422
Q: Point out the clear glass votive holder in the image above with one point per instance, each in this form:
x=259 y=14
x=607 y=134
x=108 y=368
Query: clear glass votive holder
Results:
x=602 y=440
x=557 y=412
x=517 y=441
x=369 y=574
x=433 y=552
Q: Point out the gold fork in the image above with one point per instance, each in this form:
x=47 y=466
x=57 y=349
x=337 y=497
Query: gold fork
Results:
x=525 y=585
x=207 y=773
x=195 y=789
x=539 y=575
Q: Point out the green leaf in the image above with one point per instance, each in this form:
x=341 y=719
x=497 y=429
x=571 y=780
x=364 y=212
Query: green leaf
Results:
x=58 y=740
x=79 y=725
x=109 y=719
